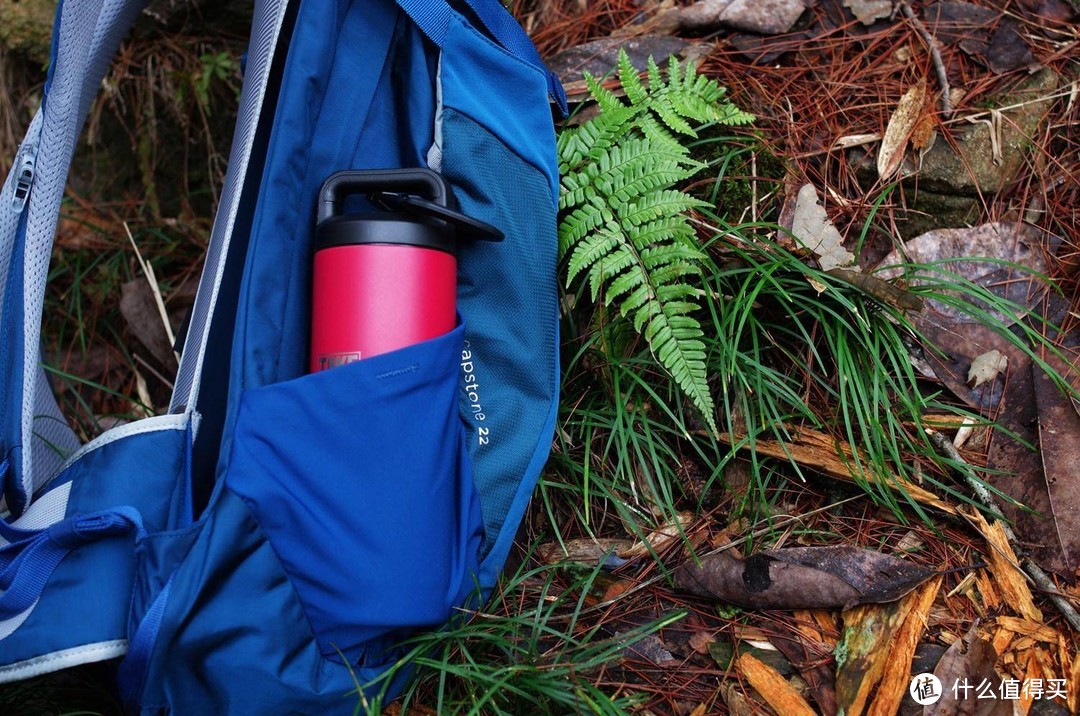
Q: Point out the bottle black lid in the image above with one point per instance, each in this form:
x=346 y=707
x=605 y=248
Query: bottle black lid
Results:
x=384 y=227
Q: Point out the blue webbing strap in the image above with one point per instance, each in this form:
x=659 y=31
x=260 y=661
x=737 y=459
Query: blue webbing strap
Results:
x=433 y=19
x=27 y=564
x=132 y=672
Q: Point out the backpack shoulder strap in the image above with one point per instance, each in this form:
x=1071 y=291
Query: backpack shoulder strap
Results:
x=35 y=437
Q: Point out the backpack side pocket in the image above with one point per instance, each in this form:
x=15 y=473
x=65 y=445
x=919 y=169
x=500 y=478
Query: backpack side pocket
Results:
x=361 y=481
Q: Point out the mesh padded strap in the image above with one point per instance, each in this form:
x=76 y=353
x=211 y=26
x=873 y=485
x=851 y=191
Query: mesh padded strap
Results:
x=85 y=37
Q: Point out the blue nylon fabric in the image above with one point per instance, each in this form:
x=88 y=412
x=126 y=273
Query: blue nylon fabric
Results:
x=371 y=453
x=435 y=18
x=506 y=30
x=87 y=595
x=132 y=673
x=234 y=638
x=507 y=291
x=26 y=565
x=329 y=536
x=476 y=70
x=345 y=103
x=11 y=346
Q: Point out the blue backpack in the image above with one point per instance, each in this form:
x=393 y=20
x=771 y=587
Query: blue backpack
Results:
x=267 y=544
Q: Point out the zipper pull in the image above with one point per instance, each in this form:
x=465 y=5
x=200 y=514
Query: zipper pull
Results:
x=24 y=179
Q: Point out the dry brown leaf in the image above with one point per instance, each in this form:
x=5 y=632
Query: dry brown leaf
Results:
x=986 y=367
x=802 y=578
x=956 y=251
x=616 y=589
x=971 y=661
x=855 y=140
x=1059 y=453
x=898 y=132
x=1035 y=630
x=699 y=710
x=139 y=308
x=661 y=538
x=736 y=701
x=1005 y=567
x=923 y=136
x=897 y=678
x=910 y=542
x=774 y=688
x=869 y=11
x=699 y=641
x=813 y=230
x=823 y=453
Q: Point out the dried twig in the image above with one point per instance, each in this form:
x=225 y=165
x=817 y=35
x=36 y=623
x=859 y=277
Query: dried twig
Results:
x=935 y=54
x=148 y=271
x=1038 y=576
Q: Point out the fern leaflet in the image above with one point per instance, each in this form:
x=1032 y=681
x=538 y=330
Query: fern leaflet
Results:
x=624 y=225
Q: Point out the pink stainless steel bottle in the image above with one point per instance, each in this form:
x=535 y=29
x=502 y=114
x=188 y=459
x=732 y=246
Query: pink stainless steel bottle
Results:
x=386 y=278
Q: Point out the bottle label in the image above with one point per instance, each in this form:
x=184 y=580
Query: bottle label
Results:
x=333 y=360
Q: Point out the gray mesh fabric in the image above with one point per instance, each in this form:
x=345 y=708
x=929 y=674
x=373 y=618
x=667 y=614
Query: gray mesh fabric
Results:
x=9 y=218
x=266 y=27
x=53 y=158
x=89 y=33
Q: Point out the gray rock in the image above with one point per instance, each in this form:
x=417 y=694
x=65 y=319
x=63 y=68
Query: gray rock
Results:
x=869 y=11
x=928 y=210
x=768 y=17
x=969 y=169
x=926 y=658
x=600 y=57
x=1044 y=707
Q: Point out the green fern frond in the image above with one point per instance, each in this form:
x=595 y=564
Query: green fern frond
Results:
x=656 y=205
x=588 y=251
x=624 y=223
x=635 y=89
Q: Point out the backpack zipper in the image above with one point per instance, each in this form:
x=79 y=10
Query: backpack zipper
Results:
x=26 y=162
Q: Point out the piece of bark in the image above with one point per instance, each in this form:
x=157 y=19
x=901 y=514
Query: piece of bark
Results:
x=1005 y=567
x=821 y=452
x=897 y=677
x=863 y=653
x=1036 y=630
x=774 y=688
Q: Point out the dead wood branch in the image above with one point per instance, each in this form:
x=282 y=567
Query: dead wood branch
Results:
x=1038 y=576
x=934 y=46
